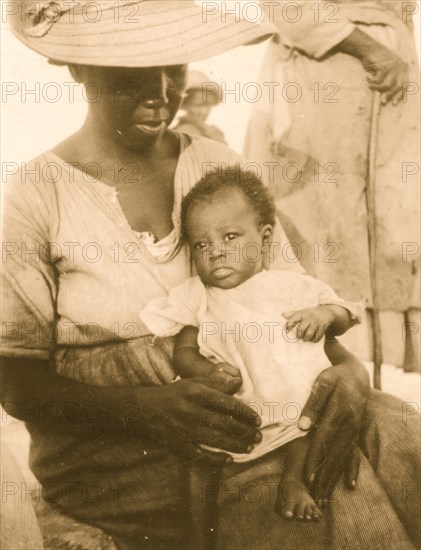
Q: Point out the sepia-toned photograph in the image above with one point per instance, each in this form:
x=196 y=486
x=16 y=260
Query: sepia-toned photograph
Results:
x=210 y=275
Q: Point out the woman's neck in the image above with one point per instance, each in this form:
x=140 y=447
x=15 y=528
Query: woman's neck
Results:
x=91 y=143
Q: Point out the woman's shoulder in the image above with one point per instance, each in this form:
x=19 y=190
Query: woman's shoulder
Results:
x=30 y=196
x=209 y=150
x=34 y=179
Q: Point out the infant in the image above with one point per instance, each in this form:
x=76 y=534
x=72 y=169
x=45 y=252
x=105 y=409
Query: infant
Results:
x=258 y=329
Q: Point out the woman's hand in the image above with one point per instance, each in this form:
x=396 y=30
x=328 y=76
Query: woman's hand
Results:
x=197 y=410
x=335 y=408
x=178 y=415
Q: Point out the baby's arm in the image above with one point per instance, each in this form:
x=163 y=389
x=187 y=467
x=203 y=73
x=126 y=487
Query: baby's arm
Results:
x=315 y=322
x=188 y=361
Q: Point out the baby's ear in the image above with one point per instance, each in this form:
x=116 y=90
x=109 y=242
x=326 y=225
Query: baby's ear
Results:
x=267 y=233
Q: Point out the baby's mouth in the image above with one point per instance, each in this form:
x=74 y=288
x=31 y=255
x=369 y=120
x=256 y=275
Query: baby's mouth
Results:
x=222 y=272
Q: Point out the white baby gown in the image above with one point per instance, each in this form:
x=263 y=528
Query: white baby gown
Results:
x=244 y=326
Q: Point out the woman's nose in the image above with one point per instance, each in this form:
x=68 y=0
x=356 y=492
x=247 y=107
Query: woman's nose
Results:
x=157 y=95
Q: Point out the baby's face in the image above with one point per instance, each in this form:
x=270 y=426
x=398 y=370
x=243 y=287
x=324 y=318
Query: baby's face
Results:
x=225 y=239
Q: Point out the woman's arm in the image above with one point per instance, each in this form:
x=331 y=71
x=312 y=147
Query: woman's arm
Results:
x=177 y=415
x=188 y=361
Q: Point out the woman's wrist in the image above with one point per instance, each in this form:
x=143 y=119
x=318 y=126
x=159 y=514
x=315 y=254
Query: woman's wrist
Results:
x=32 y=385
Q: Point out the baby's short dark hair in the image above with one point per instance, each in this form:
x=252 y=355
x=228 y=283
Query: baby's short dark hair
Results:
x=232 y=177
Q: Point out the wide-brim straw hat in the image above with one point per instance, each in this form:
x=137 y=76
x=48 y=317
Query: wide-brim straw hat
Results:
x=130 y=33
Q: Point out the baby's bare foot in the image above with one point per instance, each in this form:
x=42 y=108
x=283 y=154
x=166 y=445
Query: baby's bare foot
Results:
x=294 y=501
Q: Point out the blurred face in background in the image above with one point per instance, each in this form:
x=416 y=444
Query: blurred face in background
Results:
x=197 y=111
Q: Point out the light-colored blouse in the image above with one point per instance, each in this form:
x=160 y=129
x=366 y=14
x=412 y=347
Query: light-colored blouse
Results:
x=76 y=275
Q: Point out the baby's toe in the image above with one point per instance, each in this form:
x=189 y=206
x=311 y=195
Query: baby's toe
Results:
x=301 y=511
x=309 y=512
x=287 y=510
x=316 y=513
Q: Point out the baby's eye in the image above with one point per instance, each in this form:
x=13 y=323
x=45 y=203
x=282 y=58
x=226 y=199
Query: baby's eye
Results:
x=200 y=246
x=230 y=236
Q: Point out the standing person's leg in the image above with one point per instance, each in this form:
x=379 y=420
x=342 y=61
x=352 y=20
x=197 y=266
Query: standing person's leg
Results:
x=412 y=340
x=390 y=438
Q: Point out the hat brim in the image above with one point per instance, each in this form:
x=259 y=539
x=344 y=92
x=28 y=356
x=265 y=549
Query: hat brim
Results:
x=149 y=33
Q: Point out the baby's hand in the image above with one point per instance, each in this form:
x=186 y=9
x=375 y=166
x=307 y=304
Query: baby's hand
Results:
x=311 y=323
x=229 y=375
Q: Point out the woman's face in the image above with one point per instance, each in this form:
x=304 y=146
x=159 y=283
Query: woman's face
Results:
x=134 y=106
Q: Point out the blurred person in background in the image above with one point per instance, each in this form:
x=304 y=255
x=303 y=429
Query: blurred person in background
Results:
x=326 y=62
x=202 y=95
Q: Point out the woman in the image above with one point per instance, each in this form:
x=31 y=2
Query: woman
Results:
x=107 y=436
x=327 y=63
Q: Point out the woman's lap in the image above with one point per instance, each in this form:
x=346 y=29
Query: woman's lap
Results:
x=357 y=520
x=136 y=495
x=390 y=438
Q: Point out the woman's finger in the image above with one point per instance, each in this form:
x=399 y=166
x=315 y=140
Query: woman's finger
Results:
x=214 y=402
x=226 y=441
x=342 y=456
x=320 y=392
x=323 y=451
x=327 y=477
x=352 y=467
x=192 y=453
x=232 y=384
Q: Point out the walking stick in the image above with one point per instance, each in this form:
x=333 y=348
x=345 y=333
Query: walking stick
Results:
x=370 y=194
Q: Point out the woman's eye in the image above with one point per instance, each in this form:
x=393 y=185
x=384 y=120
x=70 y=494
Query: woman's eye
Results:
x=230 y=236
x=176 y=71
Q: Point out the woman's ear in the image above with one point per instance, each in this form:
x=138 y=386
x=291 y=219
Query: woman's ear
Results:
x=77 y=72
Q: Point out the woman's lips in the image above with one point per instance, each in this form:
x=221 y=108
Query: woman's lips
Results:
x=151 y=128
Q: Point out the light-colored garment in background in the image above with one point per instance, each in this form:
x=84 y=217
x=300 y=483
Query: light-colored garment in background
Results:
x=315 y=132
